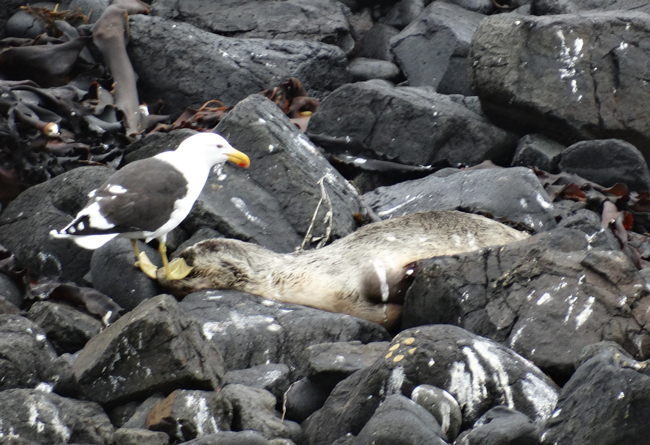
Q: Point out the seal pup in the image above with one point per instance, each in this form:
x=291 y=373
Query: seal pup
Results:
x=364 y=274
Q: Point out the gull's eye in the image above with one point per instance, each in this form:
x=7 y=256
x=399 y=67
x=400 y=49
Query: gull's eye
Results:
x=219 y=146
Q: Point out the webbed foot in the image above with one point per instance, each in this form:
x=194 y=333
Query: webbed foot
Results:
x=178 y=269
x=146 y=266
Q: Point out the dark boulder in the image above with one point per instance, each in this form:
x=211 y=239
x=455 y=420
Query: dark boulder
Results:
x=400 y=421
x=274 y=378
x=250 y=331
x=113 y=272
x=375 y=44
x=551 y=7
x=477 y=372
x=25 y=353
x=546 y=298
x=237 y=207
x=414 y=126
x=433 y=49
x=502 y=426
x=324 y=21
x=44 y=417
x=537 y=150
x=513 y=193
x=25 y=224
x=186 y=66
x=68 y=329
x=291 y=169
x=254 y=409
x=185 y=415
x=443 y=406
x=570 y=77
x=606 y=401
x=155 y=347
x=607 y=162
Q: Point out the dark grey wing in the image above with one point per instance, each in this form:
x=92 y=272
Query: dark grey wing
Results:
x=138 y=197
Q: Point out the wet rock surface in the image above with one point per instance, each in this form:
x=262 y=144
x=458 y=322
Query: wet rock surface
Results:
x=351 y=112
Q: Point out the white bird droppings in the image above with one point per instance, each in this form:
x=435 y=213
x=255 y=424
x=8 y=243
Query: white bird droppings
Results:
x=583 y=316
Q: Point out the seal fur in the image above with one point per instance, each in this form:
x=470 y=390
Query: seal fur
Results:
x=364 y=274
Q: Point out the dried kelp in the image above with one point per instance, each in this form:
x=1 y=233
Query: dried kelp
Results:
x=292 y=98
x=57 y=111
x=110 y=36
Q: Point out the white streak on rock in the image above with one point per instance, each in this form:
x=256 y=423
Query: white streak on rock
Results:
x=545 y=298
x=395 y=381
x=583 y=316
x=489 y=354
x=542 y=396
x=242 y=207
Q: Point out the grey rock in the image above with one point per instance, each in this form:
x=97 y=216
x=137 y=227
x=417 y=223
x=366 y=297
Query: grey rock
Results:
x=9 y=9
x=250 y=331
x=438 y=355
x=155 y=347
x=237 y=207
x=399 y=420
x=513 y=193
x=113 y=272
x=325 y=21
x=443 y=406
x=537 y=150
x=186 y=414
x=404 y=12
x=606 y=401
x=283 y=161
x=10 y=292
x=186 y=66
x=479 y=6
x=254 y=409
x=304 y=398
x=570 y=77
x=365 y=69
x=548 y=7
x=155 y=143
x=93 y=9
x=414 y=126
x=546 y=298
x=26 y=25
x=433 y=49
x=329 y=363
x=375 y=44
x=68 y=329
x=607 y=162
x=272 y=377
x=138 y=419
x=25 y=353
x=56 y=419
x=136 y=436
x=25 y=224
x=59 y=375
x=7 y=307
x=231 y=438
x=590 y=351
x=501 y=426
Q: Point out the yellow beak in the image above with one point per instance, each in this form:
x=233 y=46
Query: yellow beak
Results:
x=239 y=158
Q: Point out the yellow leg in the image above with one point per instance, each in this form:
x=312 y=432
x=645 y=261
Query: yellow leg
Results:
x=177 y=269
x=143 y=261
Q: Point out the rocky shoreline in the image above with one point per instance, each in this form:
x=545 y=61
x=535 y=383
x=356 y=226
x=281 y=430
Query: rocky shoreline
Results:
x=529 y=112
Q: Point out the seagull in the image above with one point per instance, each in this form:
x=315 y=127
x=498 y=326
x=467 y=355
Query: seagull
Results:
x=148 y=198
